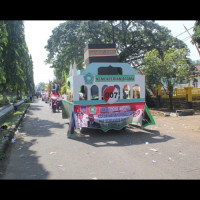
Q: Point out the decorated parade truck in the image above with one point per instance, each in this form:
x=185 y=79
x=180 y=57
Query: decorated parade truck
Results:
x=105 y=94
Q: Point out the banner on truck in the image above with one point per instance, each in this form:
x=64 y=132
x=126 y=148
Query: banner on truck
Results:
x=115 y=116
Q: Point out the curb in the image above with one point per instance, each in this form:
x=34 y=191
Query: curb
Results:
x=10 y=134
x=183 y=112
x=164 y=113
x=10 y=107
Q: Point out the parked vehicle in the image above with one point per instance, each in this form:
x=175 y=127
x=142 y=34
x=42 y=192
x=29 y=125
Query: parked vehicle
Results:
x=106 y=94
x=25 y=99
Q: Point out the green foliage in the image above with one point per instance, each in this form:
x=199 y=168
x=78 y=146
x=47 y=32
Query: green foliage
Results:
x=17 y=68
x=152 y=67
x=40 y=86
x=12 y=117
x=168 y=69
x=171 y=68
x=196 y=35
x=64 y=75
x=63 y=89
x=133 y=38
x=3 y=43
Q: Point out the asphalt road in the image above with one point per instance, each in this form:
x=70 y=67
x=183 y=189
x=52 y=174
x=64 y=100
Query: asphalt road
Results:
x=43 y=151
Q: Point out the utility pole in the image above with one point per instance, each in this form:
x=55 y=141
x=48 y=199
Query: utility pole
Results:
x=192 y=40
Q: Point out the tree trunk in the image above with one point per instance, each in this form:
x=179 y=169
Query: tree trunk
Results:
x=170 y=98
x=17 y=94
x=20 y=94
x=158 y=100
x=5 y=100
x=113 y=32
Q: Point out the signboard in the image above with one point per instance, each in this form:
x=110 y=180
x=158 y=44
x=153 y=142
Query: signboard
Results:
x=114 y=78
x=116 y=116
x=89 y=78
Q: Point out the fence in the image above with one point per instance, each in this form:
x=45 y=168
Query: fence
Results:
x=181 y=93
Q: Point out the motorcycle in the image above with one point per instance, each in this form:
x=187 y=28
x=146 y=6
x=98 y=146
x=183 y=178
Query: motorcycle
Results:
x=55 y=103
x=59 y=103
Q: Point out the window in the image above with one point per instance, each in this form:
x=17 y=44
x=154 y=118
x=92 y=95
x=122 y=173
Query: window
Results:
x=68 y=84
x=94 y=93
x=136 y=92
x=83 y=93
x=126 y=92
x=69 y=94
x=103 y=88
x=109 y=70
x=117 y=86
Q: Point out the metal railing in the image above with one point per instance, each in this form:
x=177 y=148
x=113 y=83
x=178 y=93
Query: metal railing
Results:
x=5 y=110
x=180 y=93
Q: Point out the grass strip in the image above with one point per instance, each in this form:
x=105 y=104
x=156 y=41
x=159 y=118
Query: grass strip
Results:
x=13 y=118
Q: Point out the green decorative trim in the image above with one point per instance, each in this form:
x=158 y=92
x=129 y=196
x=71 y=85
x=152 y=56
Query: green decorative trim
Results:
x=71 y=135
x=131 y=100
x=150 y=116
x=116 y=127
x=134 y=122
x=68 y=102
x=68 y=108
x=89 y=102
x=93 y=102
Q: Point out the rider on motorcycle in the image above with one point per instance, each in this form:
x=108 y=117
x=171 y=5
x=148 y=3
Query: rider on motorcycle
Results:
x=55 y=93
x=55 y=97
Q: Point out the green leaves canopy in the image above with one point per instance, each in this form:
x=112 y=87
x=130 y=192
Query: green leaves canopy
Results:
x=196 y=35
x=17 y=66
x=170 y=69
x=3 y=43
x=133 y=39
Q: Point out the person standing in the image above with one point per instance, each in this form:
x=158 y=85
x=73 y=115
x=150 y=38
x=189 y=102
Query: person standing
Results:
x=31 y=96
x=56 y=87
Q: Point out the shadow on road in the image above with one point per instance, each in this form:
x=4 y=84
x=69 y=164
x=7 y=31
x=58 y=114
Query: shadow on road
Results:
x=126 y=137
x=40 y=128
x=35 y=107
x=22 y=161
x=25 y=163
x=37 y=126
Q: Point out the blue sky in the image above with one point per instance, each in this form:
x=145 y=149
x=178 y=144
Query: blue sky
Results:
x=38 y=32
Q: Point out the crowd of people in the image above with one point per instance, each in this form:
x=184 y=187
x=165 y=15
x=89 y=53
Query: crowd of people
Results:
x=44 y=94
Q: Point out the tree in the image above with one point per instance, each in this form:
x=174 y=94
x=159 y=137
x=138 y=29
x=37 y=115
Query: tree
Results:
x=3 y=43
x=196 y=35
x=167 y=70
x=133 y=38
x=10 y=54
x=17 y=64
x=29 y=81
x=40 y=86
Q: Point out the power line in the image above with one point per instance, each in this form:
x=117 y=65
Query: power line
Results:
x=188 y=37
x=192 y=40
x=184 y=32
